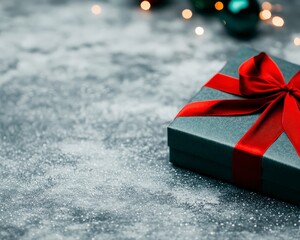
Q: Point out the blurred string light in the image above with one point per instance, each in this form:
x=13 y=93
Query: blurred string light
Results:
x=187 y=14
x=266 y=6
x=297 y=41
x=145 y=5
x=277 y=21
x=96 y=9
x=265 y=14
x=199 y=31
x=277 y=7
x=219 y=5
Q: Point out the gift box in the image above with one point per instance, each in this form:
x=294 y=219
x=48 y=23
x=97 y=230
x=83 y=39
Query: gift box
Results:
x=243 y=126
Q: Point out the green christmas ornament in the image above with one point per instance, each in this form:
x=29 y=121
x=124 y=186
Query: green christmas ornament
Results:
x=240 y=17
x=204 y=5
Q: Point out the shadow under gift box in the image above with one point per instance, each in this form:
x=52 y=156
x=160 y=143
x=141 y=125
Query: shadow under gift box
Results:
x=205 y=144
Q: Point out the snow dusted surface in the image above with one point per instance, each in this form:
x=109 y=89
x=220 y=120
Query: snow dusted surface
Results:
x=84 y=105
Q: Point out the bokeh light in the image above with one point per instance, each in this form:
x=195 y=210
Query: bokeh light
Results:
x=187 y=13
x=219 y=6
x=266 y=6
x=265 y=15
x=297 y=41
x=145 y=5
x=199 y=31
x=277 y=21
x=277 y=7
x=96 y=9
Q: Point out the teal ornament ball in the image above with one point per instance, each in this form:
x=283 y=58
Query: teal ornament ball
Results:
x=204 y=6
x=240 y=17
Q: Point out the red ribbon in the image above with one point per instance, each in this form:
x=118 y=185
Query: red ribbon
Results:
x=262 y=86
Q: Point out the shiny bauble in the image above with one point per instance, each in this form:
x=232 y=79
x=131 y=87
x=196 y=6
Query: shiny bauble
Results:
x=240 y=17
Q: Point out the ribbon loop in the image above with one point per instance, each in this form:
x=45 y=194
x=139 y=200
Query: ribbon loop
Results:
x=256 y=79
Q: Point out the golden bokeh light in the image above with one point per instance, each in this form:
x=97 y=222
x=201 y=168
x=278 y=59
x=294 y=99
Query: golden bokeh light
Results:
x=265 y=15
x=96 y=9
x=277 y=21
x=145 y=5
x=187 y=14
x=297 y=41
x=219 y=6
x=266 y=6
x=199 y=31
x=277 y=7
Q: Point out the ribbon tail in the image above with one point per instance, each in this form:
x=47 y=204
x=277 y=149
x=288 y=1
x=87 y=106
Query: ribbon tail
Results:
x=225 y=83
x=228 y=107
x=248 y=152
x=291 y=121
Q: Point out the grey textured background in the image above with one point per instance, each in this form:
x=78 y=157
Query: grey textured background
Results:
x=84 y=105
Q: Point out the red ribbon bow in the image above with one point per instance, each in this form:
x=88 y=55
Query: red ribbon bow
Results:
x=262 y=86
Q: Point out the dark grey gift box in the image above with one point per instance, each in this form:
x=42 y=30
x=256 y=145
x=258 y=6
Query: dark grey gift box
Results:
x=205 y=144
